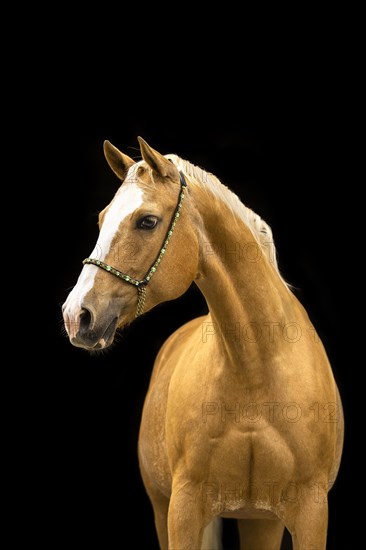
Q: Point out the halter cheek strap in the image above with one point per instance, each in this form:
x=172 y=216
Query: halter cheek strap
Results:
x=141 y=284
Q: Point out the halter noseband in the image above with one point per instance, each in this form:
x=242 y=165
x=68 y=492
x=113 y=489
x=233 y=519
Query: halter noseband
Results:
x=141 y=284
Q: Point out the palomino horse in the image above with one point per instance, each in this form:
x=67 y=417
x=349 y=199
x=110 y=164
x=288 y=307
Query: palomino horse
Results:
x=242 y=418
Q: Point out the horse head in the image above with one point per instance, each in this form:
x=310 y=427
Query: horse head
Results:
x=147 y=251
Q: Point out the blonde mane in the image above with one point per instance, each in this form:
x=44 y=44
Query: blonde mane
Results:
x=260 y=229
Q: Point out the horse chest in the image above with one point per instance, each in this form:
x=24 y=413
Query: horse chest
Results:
x=240 y=471
x=245 y=454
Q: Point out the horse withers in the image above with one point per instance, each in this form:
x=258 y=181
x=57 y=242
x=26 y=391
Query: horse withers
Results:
x=242 y=418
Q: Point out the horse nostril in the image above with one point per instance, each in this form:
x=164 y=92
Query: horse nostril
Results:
x=85 y=320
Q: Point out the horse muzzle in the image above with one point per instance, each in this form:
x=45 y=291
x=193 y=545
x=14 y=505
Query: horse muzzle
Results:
x=88 y=330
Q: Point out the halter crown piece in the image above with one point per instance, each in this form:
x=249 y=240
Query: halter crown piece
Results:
x=141 y=284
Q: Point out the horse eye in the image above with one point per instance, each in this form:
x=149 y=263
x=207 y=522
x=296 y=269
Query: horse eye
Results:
x=148 y=222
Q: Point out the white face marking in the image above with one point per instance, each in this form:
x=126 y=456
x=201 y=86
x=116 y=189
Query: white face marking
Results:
x=127 y=199
x=72 y=306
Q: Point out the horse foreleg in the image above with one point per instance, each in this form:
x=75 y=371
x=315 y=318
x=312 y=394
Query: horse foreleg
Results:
x=308 y=523
x=185 y=518
x=160 y=504
x=257 y=534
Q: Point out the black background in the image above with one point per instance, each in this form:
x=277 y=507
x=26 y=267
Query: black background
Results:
x=285 y=153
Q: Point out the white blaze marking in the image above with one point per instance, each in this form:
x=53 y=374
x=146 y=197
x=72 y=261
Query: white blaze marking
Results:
x=127 y=199
x=75 y=298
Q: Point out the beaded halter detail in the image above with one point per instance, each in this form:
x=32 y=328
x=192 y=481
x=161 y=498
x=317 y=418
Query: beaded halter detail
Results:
x=141 y=284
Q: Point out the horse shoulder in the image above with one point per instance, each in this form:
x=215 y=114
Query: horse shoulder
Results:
x=152 y=437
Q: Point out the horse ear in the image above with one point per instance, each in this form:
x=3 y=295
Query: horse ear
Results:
x=119 y=162
x=161 y=165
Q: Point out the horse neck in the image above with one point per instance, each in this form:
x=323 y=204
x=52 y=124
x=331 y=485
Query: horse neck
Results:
x=246 y=297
